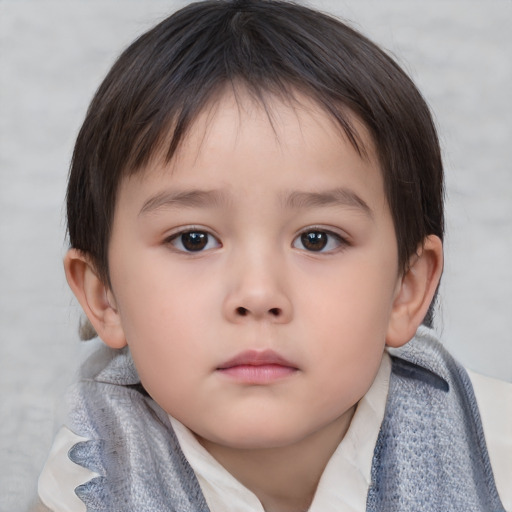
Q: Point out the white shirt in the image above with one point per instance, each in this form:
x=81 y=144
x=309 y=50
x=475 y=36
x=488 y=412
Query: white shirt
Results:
x=344 y=484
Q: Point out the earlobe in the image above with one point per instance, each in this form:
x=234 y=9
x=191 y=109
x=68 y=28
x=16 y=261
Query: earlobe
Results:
x=95 y=297
x=415 y=292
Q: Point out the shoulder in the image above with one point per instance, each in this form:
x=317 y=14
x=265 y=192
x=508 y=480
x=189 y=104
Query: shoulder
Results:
x=61 y=476
x=38 y=506
x=474 y=411
x=494 y=399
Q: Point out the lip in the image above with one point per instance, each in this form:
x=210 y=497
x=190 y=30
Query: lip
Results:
x=256 y=358
x=257 y=367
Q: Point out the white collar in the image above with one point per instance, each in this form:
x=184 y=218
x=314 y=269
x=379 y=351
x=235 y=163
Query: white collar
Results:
x=344 y=484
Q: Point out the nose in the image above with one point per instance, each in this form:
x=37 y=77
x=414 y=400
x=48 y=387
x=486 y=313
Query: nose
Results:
x=257 y=291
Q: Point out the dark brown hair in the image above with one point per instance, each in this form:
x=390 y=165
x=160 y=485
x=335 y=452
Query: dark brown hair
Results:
x=160 y=84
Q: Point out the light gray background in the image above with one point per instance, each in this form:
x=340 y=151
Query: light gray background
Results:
x=53 y=55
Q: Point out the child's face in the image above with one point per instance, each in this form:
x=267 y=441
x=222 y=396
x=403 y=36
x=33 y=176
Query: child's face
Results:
x=260 y=243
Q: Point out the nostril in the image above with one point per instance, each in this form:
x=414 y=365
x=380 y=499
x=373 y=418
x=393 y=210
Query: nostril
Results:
x=241 y=311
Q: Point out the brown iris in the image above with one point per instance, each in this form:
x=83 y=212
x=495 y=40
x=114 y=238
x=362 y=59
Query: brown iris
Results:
x=194 y=240
x=314 y=240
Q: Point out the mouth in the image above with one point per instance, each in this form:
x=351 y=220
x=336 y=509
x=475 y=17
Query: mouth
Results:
x=257 y=367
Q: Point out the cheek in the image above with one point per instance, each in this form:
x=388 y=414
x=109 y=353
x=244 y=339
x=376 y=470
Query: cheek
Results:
x=165 y=347
x=160 y=295
x=166 y=318
x=356 y=297
x=348 y=317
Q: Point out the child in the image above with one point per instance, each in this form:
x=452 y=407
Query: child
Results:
x=255 y=211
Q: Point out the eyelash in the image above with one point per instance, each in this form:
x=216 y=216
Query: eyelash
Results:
x=203 y=239
x=330 y=238
x=204 y=236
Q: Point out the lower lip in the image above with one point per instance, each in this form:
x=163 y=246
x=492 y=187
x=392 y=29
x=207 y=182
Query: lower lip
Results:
x=258 y=374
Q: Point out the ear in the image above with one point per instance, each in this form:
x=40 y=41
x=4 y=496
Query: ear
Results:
x=415 y=292
x=95 y=297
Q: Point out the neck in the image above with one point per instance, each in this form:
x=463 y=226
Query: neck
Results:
x=285 y=478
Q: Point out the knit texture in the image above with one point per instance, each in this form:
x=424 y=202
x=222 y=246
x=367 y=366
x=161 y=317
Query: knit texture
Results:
x=132 y=445
x=430 y=454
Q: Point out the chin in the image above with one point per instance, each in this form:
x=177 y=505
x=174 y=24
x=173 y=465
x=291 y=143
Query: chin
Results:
x=255 y=437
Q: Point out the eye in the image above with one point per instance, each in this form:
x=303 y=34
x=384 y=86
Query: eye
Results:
x=193 y=241
x=317 y=240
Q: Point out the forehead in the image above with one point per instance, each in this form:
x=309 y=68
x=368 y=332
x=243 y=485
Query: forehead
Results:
x=284 y=115
x=239 y=137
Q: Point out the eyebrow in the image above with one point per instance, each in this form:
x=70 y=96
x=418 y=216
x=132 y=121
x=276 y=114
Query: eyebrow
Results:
x=184 y=199
x=335 y=197
x=291 y=200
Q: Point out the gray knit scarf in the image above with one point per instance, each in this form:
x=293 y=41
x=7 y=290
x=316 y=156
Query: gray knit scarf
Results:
x=430 y=454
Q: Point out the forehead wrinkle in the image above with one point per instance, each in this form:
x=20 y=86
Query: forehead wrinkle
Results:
x=335 y=197
x=185 y=199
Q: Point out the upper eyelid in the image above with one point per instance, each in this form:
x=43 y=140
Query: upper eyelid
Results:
x=342 y=242
x=339 y=233
x=336 y=232
x=173 y=237
x=190 y=229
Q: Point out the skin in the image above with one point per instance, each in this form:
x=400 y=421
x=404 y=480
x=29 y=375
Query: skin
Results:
x=251 y=189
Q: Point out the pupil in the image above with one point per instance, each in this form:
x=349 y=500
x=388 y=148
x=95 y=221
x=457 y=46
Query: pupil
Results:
x=314 y=240
x=194 y=241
